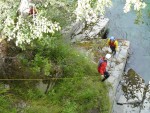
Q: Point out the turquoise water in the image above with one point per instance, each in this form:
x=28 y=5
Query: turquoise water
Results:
x=122 y=25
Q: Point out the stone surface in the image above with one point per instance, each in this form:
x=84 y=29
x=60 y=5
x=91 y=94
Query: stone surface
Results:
x=122 y=100
x=78 y=38
x=135 y=87
x=80 y=31
x=116 y=71
x=99 y=27
x=78 y=27
x=145 y=108
x=106 y=49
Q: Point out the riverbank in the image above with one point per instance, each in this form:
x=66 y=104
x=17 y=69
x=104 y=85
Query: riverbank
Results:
x=116 y=67
x=129 y=92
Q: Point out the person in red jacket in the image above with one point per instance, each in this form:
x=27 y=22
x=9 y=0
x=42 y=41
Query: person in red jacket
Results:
x=102 y=67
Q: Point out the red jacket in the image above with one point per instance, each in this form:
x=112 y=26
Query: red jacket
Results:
x=102 y=67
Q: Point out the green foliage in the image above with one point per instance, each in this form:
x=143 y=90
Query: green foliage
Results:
x=58 y=10
x=26 y=90
x=40 y=107
x=7 y=7
x=79 y=95
x=139 y=17
x=70 y=107
x=6 y=105
x=79 y=91
x=6 y=102
x=40 y=64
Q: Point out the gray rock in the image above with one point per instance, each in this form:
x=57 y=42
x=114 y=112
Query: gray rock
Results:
x=120 y=58
x=113 y=64
x=145 y=108
x=123 y=53
x=135 y=87
x=111 y=79
x=122 y=100
x=106 y=49
x=120 y=67
x=78 y=27
x=129 y=108
x=78 y=38
x=116 y=73
x=99 y=28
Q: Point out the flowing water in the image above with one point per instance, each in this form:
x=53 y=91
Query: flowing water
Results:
x=122 y=25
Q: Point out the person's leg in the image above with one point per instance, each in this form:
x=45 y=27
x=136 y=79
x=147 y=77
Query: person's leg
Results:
x=113 y=50
x=106 y=75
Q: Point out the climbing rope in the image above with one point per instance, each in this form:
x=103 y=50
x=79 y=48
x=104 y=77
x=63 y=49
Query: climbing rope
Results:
x=48 y=78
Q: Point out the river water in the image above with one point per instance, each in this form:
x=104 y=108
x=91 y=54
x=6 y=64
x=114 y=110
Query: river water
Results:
x=122 y=26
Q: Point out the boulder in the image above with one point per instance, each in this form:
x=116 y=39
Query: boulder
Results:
x=83 y=31
x=145 y=108
x=99 y=27
x=134 y=90
x=78 y=27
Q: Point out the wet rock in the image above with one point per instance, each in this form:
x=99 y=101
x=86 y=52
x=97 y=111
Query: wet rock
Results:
x=122 y=82
x=145 y=108
x=131 y=108
x=134 y=90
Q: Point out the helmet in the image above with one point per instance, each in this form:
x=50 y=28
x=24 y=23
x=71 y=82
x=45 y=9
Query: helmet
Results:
x=112 y=38
x=108 y=56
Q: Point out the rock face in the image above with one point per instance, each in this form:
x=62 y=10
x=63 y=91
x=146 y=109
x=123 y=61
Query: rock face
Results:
x=133 y=95
x=133 y=88
x=81 y=31
x=116 y=67
x=145 y=108
x=128 y=93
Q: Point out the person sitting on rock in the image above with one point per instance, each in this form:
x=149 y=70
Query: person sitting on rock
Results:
x=113 y=44
x=102 y=64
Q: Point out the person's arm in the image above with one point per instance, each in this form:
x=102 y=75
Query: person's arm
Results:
x=116 y=45
x=108 y=41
